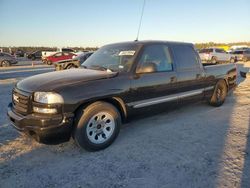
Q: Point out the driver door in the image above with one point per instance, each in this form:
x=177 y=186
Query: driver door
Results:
x=154 y=81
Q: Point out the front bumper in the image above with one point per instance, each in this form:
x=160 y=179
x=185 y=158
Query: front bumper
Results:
x=44 y=128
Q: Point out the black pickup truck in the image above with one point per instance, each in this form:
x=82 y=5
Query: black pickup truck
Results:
x=117 y=81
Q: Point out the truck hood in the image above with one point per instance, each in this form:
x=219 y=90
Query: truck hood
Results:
x=53 y=80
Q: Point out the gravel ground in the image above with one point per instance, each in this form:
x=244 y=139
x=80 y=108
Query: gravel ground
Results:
x=193 y=146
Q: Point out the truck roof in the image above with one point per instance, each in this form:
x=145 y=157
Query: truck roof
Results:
x=152 y=42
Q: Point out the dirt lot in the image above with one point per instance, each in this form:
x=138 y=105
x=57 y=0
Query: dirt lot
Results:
x=193 y=146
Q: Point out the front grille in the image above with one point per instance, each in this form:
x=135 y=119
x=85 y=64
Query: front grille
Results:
x=20 y=101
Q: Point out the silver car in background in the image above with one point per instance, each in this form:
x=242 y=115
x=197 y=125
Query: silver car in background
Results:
x=7 y=59
x=215 y=55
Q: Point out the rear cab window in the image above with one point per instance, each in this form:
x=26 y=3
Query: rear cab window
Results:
x=186 y=57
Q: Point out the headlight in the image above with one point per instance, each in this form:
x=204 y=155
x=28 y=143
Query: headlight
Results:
x=48 y=98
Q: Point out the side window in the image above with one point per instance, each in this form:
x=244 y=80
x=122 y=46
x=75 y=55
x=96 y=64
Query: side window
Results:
x=220 y=51
x=156 y=56
x=58 y=54
x=186 y=57
x=217 y=50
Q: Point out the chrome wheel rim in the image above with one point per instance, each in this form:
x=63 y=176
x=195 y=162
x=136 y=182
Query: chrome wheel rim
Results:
x=100 y=127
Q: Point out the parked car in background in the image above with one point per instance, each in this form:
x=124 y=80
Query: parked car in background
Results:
x=215 y=55
x=7 y=59
x=19 y=53
x=74 y=63
x=46 y=54
x=35 y=55
x=59 y=56
x=82 y=57
x=238 y=47
x=241 y=55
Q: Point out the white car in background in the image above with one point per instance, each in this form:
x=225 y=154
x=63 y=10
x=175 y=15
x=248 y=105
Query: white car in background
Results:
x=215 y=55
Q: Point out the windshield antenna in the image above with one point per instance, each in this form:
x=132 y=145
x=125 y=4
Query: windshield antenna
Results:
x=139 y=28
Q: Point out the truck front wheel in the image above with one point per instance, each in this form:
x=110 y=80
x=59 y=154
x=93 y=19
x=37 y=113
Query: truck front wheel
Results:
x=97 y=126
x=219 y=95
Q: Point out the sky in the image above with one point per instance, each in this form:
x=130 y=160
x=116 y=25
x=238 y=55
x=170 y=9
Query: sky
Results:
x=93 y=23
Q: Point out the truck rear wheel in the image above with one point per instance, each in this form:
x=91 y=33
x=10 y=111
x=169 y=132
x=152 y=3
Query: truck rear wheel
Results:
x=219 y=95
x=97 y=126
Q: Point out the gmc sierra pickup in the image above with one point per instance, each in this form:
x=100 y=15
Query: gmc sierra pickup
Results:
x=117 y=81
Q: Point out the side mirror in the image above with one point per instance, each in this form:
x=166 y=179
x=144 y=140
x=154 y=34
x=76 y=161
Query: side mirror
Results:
x=147 y=67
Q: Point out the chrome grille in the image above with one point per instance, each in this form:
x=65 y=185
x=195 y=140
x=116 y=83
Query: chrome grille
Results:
x=20 y=101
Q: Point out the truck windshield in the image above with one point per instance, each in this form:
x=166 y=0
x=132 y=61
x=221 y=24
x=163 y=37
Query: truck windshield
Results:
x=115 y=58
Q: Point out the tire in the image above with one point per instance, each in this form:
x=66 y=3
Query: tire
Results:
x=33 y=58
x=232 y=60
x=219 y=94
x=5 y=63
x=49 y=63
x=214 y=60
x=97 y=126
x=244 y=59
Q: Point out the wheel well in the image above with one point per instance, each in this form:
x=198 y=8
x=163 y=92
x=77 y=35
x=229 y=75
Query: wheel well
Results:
x=115 y=101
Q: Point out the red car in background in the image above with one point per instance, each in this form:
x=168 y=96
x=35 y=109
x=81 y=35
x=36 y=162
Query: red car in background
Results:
x=59 y=56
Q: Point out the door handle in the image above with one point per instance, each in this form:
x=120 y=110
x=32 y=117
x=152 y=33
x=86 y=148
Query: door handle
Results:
x=173 y=79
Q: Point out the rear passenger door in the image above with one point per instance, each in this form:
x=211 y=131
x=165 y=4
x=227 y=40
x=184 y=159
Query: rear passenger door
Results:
x=157 y=85
x=190 y=73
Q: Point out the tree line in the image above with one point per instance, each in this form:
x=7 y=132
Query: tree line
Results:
x=213 y=44
x=32 y=49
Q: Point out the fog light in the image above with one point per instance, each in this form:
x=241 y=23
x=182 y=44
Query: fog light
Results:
x=45 y=110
